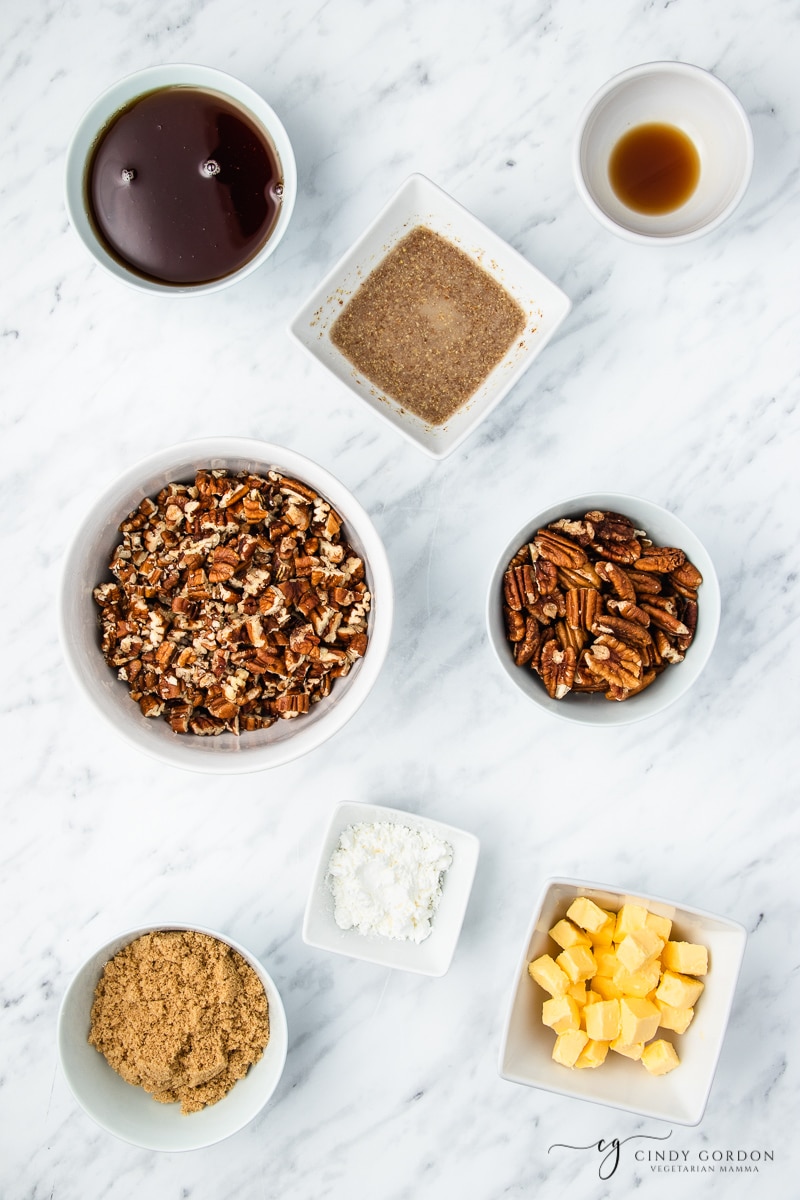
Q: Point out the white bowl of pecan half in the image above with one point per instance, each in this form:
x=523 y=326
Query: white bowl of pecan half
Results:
x=226 y=605
x=604 y=609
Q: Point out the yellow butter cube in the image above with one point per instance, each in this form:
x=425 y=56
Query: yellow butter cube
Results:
x=568 y=1047
x=578 y=993
x=602 y=1020
x=593 y=1054
x=606 y=959
x=634 y=1051
x=660 y=1057
x=638 y=983
x=565 y=934
x=604 y=936
x=676 y=1019
x=606 y=988
x=587 y=914
x=629 y=917
x=548 y=974
x=593 y=997
x=578 y=963
x=686 y=957
x=561 y=1013
x=638 y=949
x=638 y=1020
x=660 y=925
x=680 y=991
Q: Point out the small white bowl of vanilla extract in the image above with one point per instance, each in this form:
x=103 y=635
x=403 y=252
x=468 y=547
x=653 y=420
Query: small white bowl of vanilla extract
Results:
x=663 y=153
x=180 y=178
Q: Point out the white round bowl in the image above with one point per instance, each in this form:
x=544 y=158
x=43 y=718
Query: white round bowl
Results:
x=116 y=97
x=86 y=565
x=590 y=709
x=131 y=1113
x=704 y=109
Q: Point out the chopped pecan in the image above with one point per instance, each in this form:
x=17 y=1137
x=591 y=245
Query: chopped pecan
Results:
x=613 y=574
x=222 y=601
x=583 y=607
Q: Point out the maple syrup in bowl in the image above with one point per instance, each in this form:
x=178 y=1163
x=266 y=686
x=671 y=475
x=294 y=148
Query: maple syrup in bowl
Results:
x=663 y=153
x=180 y=179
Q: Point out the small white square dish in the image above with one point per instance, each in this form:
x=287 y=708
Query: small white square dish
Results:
x=419 y=202
x=680 y=1096
x=429 y=957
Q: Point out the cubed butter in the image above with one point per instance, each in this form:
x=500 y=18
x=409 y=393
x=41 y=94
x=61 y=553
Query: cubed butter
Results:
x=578 y=993
x=681 y=991
x=606 y=959
x=634 y=1051
x=638 y=983
x=606 y=989
x=638 y=1020
x=561 y=1013
x=593 y=1054
x=548 y=974
x=565 y=934
x=660 y=1057
x=629 y=917
x=676 y=1019
x=568 y=1047
x=660 y=925
x=578 y=963
x=602 y=1020
x=685 y=957
x=639 y=948
x=587 y=914
x=604 y=936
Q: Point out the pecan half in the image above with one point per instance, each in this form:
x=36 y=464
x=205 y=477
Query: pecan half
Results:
x=593 y=605
x=557 y=669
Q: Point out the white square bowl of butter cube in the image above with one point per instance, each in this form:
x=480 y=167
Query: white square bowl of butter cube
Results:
x=635 y=989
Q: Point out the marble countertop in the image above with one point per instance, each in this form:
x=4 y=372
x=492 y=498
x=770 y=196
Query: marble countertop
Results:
x=674 y=378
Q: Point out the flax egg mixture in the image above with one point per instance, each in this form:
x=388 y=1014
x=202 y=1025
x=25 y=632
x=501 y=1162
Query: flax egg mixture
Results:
x=183 y=186
x=428 y=325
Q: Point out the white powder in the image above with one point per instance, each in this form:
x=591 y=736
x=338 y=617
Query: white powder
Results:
x=387 y=879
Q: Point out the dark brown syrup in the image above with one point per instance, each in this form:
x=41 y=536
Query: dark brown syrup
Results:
x=183 y=187
x=654 y=168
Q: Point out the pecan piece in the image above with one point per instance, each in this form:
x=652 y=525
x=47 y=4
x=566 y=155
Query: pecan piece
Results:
x=663 y=619
x=687 y=574
x=630 y=611
x=558 y=550
x=529 y=647
x=557 y=669
x=661 y=559
x=614 y=661
x=583 y=607
x=613 y=574
x=629 y=632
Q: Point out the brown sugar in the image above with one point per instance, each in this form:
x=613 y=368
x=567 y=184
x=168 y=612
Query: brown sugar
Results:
x=428 y=325
x=182 y=1015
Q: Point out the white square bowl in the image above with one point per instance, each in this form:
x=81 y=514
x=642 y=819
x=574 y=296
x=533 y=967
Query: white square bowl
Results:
x=430 y=957
x=680 y=1096
x=420 y=202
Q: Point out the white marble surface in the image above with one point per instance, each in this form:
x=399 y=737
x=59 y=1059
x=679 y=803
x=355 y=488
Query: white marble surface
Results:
x=674 y=378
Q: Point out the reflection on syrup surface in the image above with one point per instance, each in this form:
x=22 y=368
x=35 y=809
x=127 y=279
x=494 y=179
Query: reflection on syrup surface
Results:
x=654 y=168
x=183 y=186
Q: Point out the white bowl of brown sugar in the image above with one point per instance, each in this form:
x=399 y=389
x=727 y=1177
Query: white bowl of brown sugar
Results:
x=430 y=317
x=189 y=1070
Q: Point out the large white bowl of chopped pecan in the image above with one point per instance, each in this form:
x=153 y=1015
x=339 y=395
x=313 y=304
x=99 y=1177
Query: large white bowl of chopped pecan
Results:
x=226 y=605
x=601 y=598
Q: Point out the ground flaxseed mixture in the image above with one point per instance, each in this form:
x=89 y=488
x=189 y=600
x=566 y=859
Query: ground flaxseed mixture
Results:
x=181 y=1015
x=428 y=325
